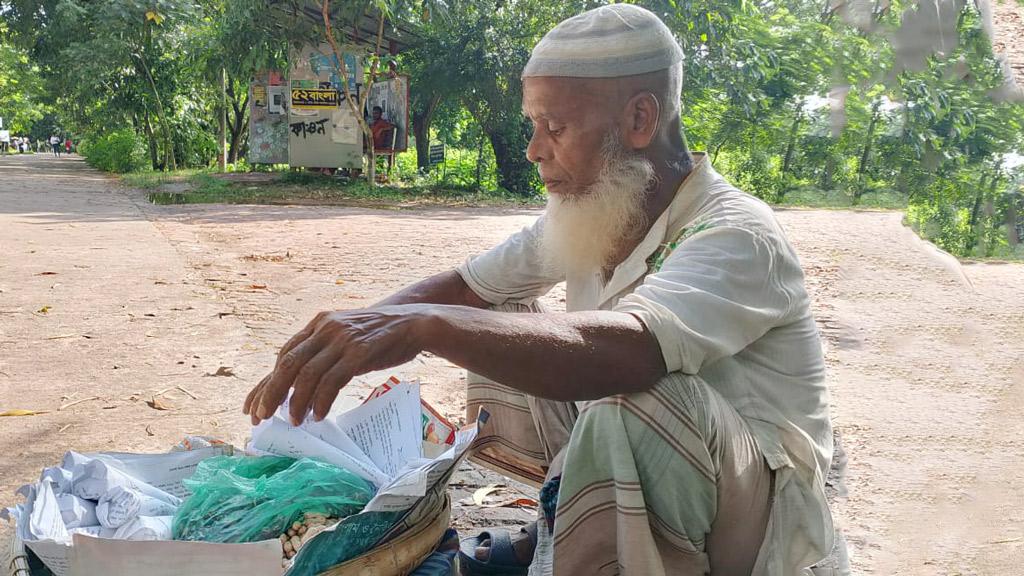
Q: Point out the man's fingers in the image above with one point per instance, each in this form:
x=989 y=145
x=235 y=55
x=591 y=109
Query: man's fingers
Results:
x=307 y=381
x=252 y=402
x=299 y=337
x=330 y=384
x=288 y=367
x=254 y=395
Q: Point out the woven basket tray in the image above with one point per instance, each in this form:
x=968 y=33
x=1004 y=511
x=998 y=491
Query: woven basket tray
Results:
x=418 y=535
x=403 y=554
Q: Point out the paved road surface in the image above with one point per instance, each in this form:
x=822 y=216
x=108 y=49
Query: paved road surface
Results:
x=109 y=300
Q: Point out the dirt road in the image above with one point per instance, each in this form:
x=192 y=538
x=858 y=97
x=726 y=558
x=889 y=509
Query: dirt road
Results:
x=1008 y=37
x=107 y=301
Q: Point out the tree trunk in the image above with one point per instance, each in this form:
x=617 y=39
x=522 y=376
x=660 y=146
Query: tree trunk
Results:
x=1012 y=221
x=972 y=236
x=479 y=157
x=827 y=177
x=421 y=120
x=238 y=126
x=865 y=155
x=151 y=138
x=222 y=113
x=235 y=151
x=140 y=62
x=990 y=209
x=514 y=170
x=169 y=160
x=787 y=160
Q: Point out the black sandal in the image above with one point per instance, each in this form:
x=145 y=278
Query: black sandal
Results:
x=501 y=561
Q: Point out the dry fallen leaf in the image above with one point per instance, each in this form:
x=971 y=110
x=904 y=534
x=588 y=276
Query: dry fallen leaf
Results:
x=22 y=412
x=45 y=310
x=157 y=404
x=339 y=281
x=47 y=274
x=222 y=371
x=481 y=493
x=149 y=430
x=258 y=286
x=512 y=503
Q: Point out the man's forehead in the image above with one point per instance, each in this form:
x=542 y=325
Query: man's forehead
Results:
x=559 y=96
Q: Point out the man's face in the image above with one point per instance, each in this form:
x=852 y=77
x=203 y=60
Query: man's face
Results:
x=571 y=119
x=376 y=114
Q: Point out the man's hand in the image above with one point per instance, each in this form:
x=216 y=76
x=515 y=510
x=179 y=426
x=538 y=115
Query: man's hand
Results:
x=331 y=350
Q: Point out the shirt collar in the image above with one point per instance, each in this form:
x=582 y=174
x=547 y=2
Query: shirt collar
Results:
x=677 y=214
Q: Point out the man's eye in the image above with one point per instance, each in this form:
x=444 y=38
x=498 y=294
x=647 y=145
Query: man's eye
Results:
x=555 y=130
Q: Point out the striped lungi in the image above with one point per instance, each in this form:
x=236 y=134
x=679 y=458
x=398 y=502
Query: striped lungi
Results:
x=667 y=481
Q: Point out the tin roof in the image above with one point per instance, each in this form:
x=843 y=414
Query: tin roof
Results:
x=397 y=36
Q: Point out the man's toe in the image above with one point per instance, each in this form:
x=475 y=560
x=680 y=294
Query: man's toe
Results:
x=483 y=551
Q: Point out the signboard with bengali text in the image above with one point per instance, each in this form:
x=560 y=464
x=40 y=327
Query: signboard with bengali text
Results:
x=315 y=98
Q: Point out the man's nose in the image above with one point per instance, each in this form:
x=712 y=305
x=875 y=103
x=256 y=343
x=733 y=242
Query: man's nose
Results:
x=538 y=149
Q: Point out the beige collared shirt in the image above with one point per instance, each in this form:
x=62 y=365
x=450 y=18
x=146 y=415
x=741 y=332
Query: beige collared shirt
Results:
x=727 y=303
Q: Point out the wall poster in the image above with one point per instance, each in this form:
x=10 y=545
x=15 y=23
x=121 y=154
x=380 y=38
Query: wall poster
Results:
x=268 y=123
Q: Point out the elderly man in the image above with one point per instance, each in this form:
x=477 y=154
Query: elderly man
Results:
x=676 y=413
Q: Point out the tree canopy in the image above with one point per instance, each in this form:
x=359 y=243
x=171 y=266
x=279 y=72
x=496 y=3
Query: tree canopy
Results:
x=857 y=103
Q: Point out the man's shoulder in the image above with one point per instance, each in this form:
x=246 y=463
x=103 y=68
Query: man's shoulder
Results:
x=726 y=205
x=736 y=217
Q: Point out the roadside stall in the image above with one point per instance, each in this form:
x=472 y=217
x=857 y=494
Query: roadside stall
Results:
x=300 y=115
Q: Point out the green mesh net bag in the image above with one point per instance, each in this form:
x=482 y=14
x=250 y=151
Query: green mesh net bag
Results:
x=248 y=499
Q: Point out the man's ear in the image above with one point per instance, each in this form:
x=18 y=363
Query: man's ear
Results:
x=641 y=122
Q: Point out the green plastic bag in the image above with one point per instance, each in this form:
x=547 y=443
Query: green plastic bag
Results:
x=248 y=499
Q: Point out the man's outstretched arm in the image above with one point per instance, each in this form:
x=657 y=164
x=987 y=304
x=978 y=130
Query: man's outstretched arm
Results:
x=444 y=288
x=562 y=356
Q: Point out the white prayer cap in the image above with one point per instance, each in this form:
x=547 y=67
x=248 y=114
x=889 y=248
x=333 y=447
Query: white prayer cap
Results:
x=606 y=42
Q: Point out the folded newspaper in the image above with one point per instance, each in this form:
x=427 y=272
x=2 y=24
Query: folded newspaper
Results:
x=91 y=503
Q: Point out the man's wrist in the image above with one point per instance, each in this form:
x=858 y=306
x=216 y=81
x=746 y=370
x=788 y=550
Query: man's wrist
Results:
x=429 y=327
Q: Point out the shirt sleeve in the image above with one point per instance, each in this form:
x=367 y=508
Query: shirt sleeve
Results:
x=716 y=293
x=514 y=270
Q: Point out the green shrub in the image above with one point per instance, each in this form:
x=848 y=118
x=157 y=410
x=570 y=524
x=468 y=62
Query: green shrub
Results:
x=194 y=147
x=120 y=151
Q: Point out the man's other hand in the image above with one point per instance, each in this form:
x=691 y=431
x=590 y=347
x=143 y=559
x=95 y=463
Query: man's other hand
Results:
x=331 y=350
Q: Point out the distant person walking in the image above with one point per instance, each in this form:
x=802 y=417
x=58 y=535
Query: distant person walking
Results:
x=55 y=144
x=67 y=145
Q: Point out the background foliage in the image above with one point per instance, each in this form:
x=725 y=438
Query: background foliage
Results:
x=895 y=104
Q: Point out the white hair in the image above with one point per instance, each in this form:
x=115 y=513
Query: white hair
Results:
x=583 y=232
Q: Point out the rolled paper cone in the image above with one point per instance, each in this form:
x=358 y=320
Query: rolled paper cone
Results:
x=146 y=528
x=76 y=512
x=98 y=477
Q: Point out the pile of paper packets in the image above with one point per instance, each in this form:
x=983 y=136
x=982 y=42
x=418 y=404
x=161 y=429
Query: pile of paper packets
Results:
x=112 y=513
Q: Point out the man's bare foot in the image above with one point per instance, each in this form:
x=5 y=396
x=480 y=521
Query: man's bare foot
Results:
x=524 y=543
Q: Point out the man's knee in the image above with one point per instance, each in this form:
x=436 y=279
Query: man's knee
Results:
x=677 y=402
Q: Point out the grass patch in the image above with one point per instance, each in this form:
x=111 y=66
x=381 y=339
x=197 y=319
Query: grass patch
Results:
x=809 y=197
x=154 y=180
x=293 y=187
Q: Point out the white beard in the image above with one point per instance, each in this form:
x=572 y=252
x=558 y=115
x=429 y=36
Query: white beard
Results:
x=582 y=233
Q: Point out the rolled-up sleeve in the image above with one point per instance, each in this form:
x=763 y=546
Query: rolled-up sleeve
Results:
x=716 y=293
x=513 y=270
